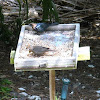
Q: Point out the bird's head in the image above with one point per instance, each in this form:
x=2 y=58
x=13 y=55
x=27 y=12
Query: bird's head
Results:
x=31 y=49
x=33 y=25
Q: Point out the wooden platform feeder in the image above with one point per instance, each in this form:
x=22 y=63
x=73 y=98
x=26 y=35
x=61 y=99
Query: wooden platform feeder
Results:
x=62 y=39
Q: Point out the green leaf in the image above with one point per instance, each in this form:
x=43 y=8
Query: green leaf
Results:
x=5 y=81
x=45 y=4
x=1 y=16
x=49 y=11
x=55 y=12
x=27 y=8
x=5 y=90
x=19 y=6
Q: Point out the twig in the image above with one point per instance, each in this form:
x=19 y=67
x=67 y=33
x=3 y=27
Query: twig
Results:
x=80 y=11
x=13 y=13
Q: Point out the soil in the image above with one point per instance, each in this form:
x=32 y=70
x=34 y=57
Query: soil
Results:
x=85 y=80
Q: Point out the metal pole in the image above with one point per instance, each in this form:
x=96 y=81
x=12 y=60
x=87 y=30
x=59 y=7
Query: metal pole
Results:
x=64 y=89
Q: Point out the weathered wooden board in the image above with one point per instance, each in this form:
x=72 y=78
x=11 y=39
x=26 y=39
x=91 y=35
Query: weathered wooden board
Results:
x=66 y=51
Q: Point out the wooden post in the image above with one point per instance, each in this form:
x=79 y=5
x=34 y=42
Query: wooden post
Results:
x=52 y=84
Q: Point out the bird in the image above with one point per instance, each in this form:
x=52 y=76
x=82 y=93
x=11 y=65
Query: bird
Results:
x=32 y=13
x=38 y=50
x=41 y=27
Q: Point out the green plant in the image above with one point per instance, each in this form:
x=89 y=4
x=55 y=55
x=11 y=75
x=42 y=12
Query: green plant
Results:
x=27 y=8
x=5 y=81
x=18 y=22
x=8 y=33
x=26 y=3
x=5 y=89
x=19 y=6
x=5 y=33
x=49 y=11
x=1 y=16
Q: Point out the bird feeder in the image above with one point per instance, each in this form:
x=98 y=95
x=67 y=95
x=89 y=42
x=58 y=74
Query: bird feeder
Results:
x=62 y=40
x=64 y=52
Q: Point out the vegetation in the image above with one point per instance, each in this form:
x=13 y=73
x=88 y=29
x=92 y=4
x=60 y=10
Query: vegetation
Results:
x=5 y=89
x=9 y=35
x=26 y=3
x=49 y=11
x=4 y=31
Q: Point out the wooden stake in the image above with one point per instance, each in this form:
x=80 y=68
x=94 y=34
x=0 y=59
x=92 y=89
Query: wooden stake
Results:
x=52 y=84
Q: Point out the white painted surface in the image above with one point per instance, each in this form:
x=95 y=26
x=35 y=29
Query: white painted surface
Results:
x=47 y=63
